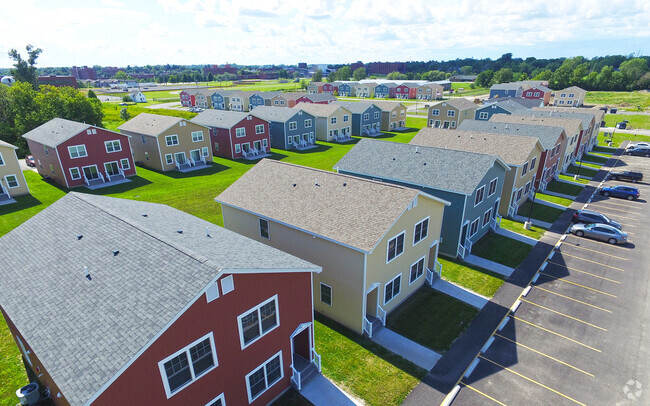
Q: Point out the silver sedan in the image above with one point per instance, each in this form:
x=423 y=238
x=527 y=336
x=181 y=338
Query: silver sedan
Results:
x=602 y=232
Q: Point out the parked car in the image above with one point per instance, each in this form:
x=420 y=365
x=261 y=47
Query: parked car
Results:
x=624 y=192
x=633 y=177
x=639 y=151
x=601 y=232
x=29 y=160
x=637 y=144
x=593 y=217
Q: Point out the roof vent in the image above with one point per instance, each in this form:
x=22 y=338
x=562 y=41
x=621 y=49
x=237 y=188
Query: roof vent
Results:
x=207 y=232
x=179 y=231
x=316 y=182
x=80 y=236
x=424 y=163
x=294 y=185
x=345 y=184
x=417 y=150
x=87 y=273
x=145 y=215
x=115 y=252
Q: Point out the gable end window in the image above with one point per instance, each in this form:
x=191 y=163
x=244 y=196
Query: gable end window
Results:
x=421 y=231
x=480 y=194
x=77 y=151
x=113 y=146
x=326 y=294
x=259 y=129
x=293 y=125
x=264 y=228
x=395 y=247
x=258 y=321
x=524 y=170
x=240 y=132
x=197 y=136
x=171 y=140
x=532 y=163
x=451 y=113
x=189 y=364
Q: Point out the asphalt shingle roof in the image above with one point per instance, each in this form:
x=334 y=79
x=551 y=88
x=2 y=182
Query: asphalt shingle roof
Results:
x=55 y=131
x=320 y=97
x=318 y=110
x=388 y=105
x=272 y=113
x=355 y=107
x=512 y=149
x=582 y=114
x=526 y=103
x=352 y=211
x=459 y=103
x=438 y=168
x=506 y=86
x=219 y=118
x=571 y=125
x=6 y=144
x=547 y=135
x=149 y=124
x=83 y=331
x=292 y=95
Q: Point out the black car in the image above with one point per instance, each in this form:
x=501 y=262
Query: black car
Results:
x=593 y=217
x=639 y=151
x=627 y=175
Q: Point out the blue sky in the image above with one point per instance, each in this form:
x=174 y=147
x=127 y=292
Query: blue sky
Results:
x=140 y=32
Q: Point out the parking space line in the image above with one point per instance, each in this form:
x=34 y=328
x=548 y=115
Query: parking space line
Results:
x=481 y=393
x=577 y=284
x=586 y=273
x=618 y=247
x=618 y=215
x=557 y=334
x=532 y=380
x=599 y=252
x=593 y=262
x=575 y=300
x=563 y=314
x=545 y=355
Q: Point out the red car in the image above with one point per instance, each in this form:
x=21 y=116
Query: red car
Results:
x=29 y=160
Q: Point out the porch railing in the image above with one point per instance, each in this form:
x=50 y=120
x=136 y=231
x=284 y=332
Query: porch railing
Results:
x=531 y=193
x=178 y=166
x=461 y=251
x=437 y=268
x=367 y=327
x=429 y=276
x=381 y=314
x=468 y=245
x=295 y=377
x=316 y=357
x=512 y=210
x=542 y=186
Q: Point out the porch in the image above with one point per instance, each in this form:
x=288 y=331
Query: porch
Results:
x=342 y=137
x=303 y=144
x=94 y=179
x=4 y=197
x=190 y=165
x=372 y=132
x=254 y=153
x=305 y=361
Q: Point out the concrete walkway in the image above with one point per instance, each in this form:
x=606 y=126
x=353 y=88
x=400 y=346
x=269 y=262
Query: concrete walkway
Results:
x=322 y=392
x=550 y=204
x=489 y=265
x=405 y=348
x=538 y=223
x=633 y=131
x=515 y=236
x=570 y=182
x=548 y=192
x=458 y=292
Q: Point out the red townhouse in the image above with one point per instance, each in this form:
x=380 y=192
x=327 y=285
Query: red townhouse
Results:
x=228 y=322
x=538 y=93
x=77 y=154
x=235 y=134
x=405 y=91
x=188 y=97
x=322 y=98
x=330 y=88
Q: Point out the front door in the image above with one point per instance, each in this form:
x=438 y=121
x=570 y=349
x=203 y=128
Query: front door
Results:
x=372 y=298
x=496 y=207
x=246 y=147
x=91 y=172
x=195 y=155
x=296 y=139
x=433 y=255
x=111 y=168
x=463 y=233
x=257 y=145
x=301 y=345
x=180 y=158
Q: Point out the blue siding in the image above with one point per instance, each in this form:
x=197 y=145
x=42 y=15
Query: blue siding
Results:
x=217 y=101
x=472 y=213
x=358 y=122
x=344 y=90
x=490 y=110
x=382 y=90
x=255 y=101
x=280 y=132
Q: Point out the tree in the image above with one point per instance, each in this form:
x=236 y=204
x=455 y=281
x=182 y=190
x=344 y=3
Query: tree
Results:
x=210 y=77
x=283 y=74
x=303 y=84
x=91 y=94
x=344 y=73
x=25 y=70
x=396 y=76
x=126 y=98
x=124 y=114
x=121 y=75
x=359 y=73
x=503 y=75
x=484 y=78
x=466 y=70
x=331 y=77
x=318 y=76
x=633 y=70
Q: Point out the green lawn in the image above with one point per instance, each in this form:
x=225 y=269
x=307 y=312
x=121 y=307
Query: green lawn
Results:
x=554 y=199
x=518 y=227
x=583 y=171
x=432 y=319
x=564 y=188
x=602 y=151
x=540 y=212
x=12 y=371
x=589 y=165
x=618 y=138
x=629 y=100
x=501 y=249
x=598 y=158
x=572 y=179
x=634 y=120
x=474 y=278
x=363 y=368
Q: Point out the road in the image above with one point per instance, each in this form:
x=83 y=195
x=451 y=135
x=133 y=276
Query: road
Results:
x=639 y=131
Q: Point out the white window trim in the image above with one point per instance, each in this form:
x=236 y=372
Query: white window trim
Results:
x=128 y=164
x=451 y=113
x=262 y=334
x=533 y=162
x=331 y=293
x=424 y=267
x=2 y=160
x=483 y=224
x=477 y=220
x=237 y=132
x=395 y=238
x=198 y=139
x=257 y=127
x=400 y=287
x=237 y=148
x=293 y=125
x=227 y=289
x=263 y=365
x=167 y=156
x=186 y=349
x=25 y=351
x=483 y=115
x=496 y=186
x=482 y=196
x=221 y=397
x=78 y=171
x=171 y=137
x=76 y=147
x=415 y=226
x=111 y=142
x=308 y=123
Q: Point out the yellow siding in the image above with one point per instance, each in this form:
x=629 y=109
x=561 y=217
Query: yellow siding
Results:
x=12 y=167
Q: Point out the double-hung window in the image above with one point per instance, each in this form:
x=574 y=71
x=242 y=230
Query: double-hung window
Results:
x=451 y=113
x=171 y=140
x=417 y=269
x=125 y=164
x=395 y=247
x=376 y=115
x=333 y=120
x=486 y=217
x=240 y=132
x=264 y=228
x=524 y=170
x=113 y=146
x=421 y=231
x=259 y=129
x=435 y=112
x=366 y=116
x=392 y=288
x=293 y=125
x=197 y=136
x=483 y=115
x=264 y=376
x=492 y=188
x=189 y=364
x=308 y=123
x=77 y=151
x=12 y=181
x=258 y=321
x=326 y=294
x=346 y=118
x=478 y=198
x=473 y=228
x=532 y=163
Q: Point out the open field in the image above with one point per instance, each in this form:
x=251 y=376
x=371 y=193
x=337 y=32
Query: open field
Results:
x=635 y=120
x=629 y=100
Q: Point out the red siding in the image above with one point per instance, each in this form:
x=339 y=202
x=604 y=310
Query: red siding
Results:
x=413 y=92
x=303 y=99
x=226 y=138
x=43 y=162
x=97 y=154
x=142 y=384
x=548 y=163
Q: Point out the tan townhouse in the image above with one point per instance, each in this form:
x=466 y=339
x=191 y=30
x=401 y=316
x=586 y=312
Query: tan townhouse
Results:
x=450 y=113
x=333 y=122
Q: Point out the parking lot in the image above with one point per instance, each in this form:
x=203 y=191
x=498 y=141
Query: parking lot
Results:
x=580 y=334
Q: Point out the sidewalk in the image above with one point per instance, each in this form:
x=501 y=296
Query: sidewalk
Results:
x=322 y=392
x=550 y=204
x=458 y=292
x=445 y=374
x=405 y=348
x=489 y=265
x=538 y=223
x=516 y=236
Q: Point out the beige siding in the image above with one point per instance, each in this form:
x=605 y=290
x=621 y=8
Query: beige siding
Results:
x=324 y=126
x=342 y=266
x=185 y=143
x=519 y=182
x=12 y=167
x=443 y=116
x=145 y=153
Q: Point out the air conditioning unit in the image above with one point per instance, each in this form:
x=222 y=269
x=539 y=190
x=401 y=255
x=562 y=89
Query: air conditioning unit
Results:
x=29 y=394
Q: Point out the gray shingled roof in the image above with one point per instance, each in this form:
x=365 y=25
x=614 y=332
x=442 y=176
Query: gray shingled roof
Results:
x=571 y=125
x=85 y=331
x=355 y=107
x=292 y=95
x=272 y=113
x=584 y=116
x=219 y=118
x=437 y=168
x=388 y=105
x=506 y=86
x=318 y=110
x=55 y=131
x=526 y=103
x=459 y=103
x=512 y=149
x=149 y=124
x=268 y=95
x=352 y=211
x=547 y=135
x=320 y=97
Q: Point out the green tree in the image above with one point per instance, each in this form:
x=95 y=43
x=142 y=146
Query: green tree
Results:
x=466 y=70
x=210 y=77
x=543 y=75
x=396 y=76
x=318 y=76
x=503 y=75
x=359 y=73
x=331 y=77
x=124 y=114
x=579 y=75
x=25 y=70
x=91 y=94
x=121 y=75
x=344 y=73
x=303 y=84
x=126 y=98
x=633 y=70
x=484 y=78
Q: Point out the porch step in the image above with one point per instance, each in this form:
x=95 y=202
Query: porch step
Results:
x=4 y=197
x=307 y=374
x=95 y=182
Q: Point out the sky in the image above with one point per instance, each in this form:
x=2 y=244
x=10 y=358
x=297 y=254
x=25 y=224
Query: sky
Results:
x=259 y=32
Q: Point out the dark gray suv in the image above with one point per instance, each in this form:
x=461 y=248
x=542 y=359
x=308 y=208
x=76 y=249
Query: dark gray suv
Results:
x=593 y=217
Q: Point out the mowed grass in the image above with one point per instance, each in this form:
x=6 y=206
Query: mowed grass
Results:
x=501 y=249
x=540 y=212
x=363 y=368
x=572 y=179
x=588 y=165
x=602 y=151
x=12 y=371
x=518 y=227
x=597 y=158
x=634 y=120
x=474 y=278
x=582 y=170
x=619 y=99
x=564 y=188
x=431 y=319
x=554 y=199
x=618 y=138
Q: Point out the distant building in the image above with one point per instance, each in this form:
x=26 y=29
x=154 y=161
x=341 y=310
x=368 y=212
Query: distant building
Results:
x=216 y=70
x=83 y=73
x=302 y=65
x=58 y=81
x=385 y=68
x=356 y=66
x=110 y=71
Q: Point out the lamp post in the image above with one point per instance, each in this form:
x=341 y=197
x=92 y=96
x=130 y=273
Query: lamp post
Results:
x=528 y=224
